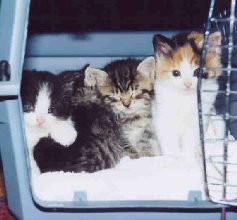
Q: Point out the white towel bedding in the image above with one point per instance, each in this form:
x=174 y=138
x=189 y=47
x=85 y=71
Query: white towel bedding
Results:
x=147 y=178
x=155 y=178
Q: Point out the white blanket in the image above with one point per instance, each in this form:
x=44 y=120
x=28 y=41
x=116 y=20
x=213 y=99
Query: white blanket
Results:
x=148 y=178
x=155 y=178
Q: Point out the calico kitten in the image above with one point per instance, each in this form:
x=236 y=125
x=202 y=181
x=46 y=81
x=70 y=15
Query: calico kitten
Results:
x=175 y=112
x=127 y=86
x=98 y=143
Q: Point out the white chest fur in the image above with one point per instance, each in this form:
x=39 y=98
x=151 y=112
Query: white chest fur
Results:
x=175 y=117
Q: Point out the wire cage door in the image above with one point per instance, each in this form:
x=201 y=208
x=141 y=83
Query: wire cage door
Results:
x=218 y=139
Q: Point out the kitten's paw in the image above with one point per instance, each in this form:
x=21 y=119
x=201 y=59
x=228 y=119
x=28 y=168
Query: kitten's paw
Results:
x=131 y=152
x=64 y=133
x=147 y=154
x=146 y=151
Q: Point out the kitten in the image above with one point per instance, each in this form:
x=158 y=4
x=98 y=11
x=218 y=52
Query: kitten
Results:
x=43 y=115
x=127 y=86
x=98 y=143
x=40 y=106
x=175 y=111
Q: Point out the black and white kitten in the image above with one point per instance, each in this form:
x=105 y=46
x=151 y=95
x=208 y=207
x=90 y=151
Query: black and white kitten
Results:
x=43 y=116
x=127 y=86
x=98 y=143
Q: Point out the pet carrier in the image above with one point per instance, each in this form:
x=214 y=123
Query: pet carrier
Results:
x=46 y=197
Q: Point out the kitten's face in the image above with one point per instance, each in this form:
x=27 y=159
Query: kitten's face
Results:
x=178 y=59
x=180 y=69
x=128 y=100
x=123 y=86
x=39 y=110
x=40 y=114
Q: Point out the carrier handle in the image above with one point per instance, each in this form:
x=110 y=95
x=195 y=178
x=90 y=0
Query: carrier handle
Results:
x=7 y=87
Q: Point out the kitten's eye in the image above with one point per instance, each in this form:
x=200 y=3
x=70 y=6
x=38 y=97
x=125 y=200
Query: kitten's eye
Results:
x=136 y=95
x=112 y=98
x=28 y=108
x=146 y=95
x=196 y=72
x=176 y=73
x=115 y=99
x=51 y=109
x=106 y=99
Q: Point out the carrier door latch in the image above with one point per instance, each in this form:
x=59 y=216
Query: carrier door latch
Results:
x=5 y=70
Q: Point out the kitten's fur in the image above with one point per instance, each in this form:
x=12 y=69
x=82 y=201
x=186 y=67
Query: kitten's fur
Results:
x=127 y=86
x=175 y=111
x=43 y=114
x=42 y=117
x=98 y=141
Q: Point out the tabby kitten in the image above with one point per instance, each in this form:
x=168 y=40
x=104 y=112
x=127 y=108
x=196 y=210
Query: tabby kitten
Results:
x=98 y=143
x=175 y=111
x=127 y=86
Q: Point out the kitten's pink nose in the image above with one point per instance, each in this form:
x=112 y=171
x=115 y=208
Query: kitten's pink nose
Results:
x=40 y=121
x=187 y=84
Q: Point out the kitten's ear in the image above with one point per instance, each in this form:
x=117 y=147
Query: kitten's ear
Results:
x=197 y=38
x=147 y=68
x=146 y=73
x=162 y=45
x=213 y=55
x=95 y=77
x=214 y=39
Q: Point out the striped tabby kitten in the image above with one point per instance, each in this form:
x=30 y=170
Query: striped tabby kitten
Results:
x=98 y=142
x=127 y=86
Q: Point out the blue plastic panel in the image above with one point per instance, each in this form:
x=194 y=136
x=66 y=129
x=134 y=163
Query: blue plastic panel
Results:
x=13 y=21
x=67 y=51
x=105 y=44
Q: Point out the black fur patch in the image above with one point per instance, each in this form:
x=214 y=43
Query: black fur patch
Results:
x=31 y=83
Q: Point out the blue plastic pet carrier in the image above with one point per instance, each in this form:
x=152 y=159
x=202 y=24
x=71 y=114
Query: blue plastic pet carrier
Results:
x=57 y=52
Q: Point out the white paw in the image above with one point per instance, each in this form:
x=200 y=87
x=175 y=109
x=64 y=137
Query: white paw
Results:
x=64 y=133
